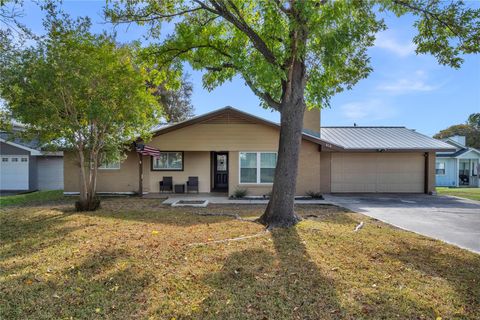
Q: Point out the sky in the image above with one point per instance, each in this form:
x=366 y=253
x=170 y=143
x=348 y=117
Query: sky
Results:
x=404 y=89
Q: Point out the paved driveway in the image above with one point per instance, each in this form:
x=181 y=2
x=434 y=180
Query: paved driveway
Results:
x=451 y=219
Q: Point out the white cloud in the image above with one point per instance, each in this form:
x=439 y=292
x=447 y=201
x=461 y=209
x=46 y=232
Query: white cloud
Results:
x=416 y=82
x=372 y=109
x=386 y=40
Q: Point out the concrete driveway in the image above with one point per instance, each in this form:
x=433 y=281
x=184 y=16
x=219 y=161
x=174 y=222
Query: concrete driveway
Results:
x=450 y=219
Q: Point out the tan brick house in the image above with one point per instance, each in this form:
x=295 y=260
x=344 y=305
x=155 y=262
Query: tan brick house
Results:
x=228 y=149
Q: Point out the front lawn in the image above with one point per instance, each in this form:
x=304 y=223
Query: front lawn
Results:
x=31 y=198
x=138 y=259
x=469 y=193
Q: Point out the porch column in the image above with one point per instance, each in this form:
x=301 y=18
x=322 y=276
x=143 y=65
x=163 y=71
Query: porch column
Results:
x=140 y=174
x=457 y=173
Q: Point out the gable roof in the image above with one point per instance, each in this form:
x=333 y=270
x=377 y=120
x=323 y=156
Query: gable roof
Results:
x=333 y=138
x=382 y=138
x=454 y=143
x=233 y=112
x=33 y=152
x=458 y=153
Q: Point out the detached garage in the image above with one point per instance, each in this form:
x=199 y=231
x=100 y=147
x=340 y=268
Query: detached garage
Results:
x=14 y=172
x=26 y=168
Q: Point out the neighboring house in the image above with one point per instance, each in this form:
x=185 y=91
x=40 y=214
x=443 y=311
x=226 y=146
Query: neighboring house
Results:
x=25 y=167
x=460 y=167
x=228 y=149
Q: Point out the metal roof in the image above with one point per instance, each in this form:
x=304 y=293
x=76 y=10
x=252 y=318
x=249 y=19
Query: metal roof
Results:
x=387 y=138
x=32 y=144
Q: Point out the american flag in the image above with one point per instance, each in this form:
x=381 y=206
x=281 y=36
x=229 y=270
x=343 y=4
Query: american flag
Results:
x=146 y=150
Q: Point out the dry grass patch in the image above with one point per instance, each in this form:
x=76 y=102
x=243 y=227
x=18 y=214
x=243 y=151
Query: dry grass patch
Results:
x=133 y=259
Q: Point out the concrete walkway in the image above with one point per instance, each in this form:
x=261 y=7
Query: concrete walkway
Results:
x=450 y=219
x=222 y=199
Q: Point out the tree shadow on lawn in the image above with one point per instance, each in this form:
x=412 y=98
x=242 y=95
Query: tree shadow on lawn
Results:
x=152 y=212
x=96 y=288
x=21 y=234
x=256 y=284
x=460 y=268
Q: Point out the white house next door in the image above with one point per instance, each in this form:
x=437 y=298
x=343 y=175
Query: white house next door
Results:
x=14 y=172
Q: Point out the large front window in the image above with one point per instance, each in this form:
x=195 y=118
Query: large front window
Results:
x=257 y=167
x=170 y=161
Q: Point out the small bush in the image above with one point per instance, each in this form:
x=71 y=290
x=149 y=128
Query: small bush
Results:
x=314 y=195
x=240 y=193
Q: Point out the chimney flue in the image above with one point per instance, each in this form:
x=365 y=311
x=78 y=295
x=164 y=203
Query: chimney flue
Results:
x=311 y=120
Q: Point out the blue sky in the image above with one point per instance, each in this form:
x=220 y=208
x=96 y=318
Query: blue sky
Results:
x=404 y=89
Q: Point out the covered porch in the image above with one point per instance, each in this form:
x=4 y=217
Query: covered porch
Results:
x=468 y=173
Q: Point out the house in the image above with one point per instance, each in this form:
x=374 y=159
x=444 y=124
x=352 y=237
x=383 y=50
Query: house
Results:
x=229 y=149
x=25 y=167
x=460 y=167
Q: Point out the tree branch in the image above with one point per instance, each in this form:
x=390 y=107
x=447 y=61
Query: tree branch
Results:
x=149 y=17
x=240 y=23
x=263 y=95
x=429 y=13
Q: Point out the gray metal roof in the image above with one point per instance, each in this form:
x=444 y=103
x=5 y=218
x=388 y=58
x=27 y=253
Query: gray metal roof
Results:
x=388 y=138
x=32 y=144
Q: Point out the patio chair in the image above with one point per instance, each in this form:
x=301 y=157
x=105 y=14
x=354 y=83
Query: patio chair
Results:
x=192 y=184
x=166 y=184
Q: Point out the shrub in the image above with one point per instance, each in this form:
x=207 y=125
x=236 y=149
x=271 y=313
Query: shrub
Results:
x=240 y=193
x=314 y=195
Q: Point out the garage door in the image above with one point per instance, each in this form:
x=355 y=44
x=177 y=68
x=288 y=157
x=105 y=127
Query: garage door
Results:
x=50 y=173
x=14 y=172
x=378 y=172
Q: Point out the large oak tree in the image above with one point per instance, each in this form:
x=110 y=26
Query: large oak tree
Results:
x=293 y=54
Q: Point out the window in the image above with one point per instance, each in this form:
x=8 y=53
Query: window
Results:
x=257 y=167
x=4 y=159
x=14 y=159
x=24 y=159
x=440 y=168
x=110 y=165
x=168 y=161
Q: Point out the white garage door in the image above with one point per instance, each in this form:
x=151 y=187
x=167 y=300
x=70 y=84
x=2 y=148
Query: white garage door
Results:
x=14 y=172
x=378 y=172
x=50 y=173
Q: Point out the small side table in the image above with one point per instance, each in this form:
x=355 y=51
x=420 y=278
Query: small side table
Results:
x=179 y=188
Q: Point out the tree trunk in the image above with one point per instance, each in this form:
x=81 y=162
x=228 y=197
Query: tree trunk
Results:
x=280 y=210
x=88 y=200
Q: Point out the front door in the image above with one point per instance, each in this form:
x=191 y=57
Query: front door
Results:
x=220 y=171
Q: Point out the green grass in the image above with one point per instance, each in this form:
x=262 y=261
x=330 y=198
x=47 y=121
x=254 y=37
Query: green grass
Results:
x=469 y=193
x=31 y=198
x=137 y=259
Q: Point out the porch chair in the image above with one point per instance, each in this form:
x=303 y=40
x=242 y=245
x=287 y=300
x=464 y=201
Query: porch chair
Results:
x=166 y=184
x=192 y=184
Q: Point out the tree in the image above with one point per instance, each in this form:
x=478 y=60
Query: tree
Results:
x=295 y=55
x=176 y=102
x=82 y=91
x=471 y=130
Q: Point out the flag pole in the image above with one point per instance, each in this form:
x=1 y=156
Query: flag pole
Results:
x=140 y=175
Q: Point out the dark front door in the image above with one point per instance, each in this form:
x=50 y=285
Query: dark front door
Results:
x=220 y=171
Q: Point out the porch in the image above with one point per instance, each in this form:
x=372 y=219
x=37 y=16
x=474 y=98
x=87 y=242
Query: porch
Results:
x=468 y=173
